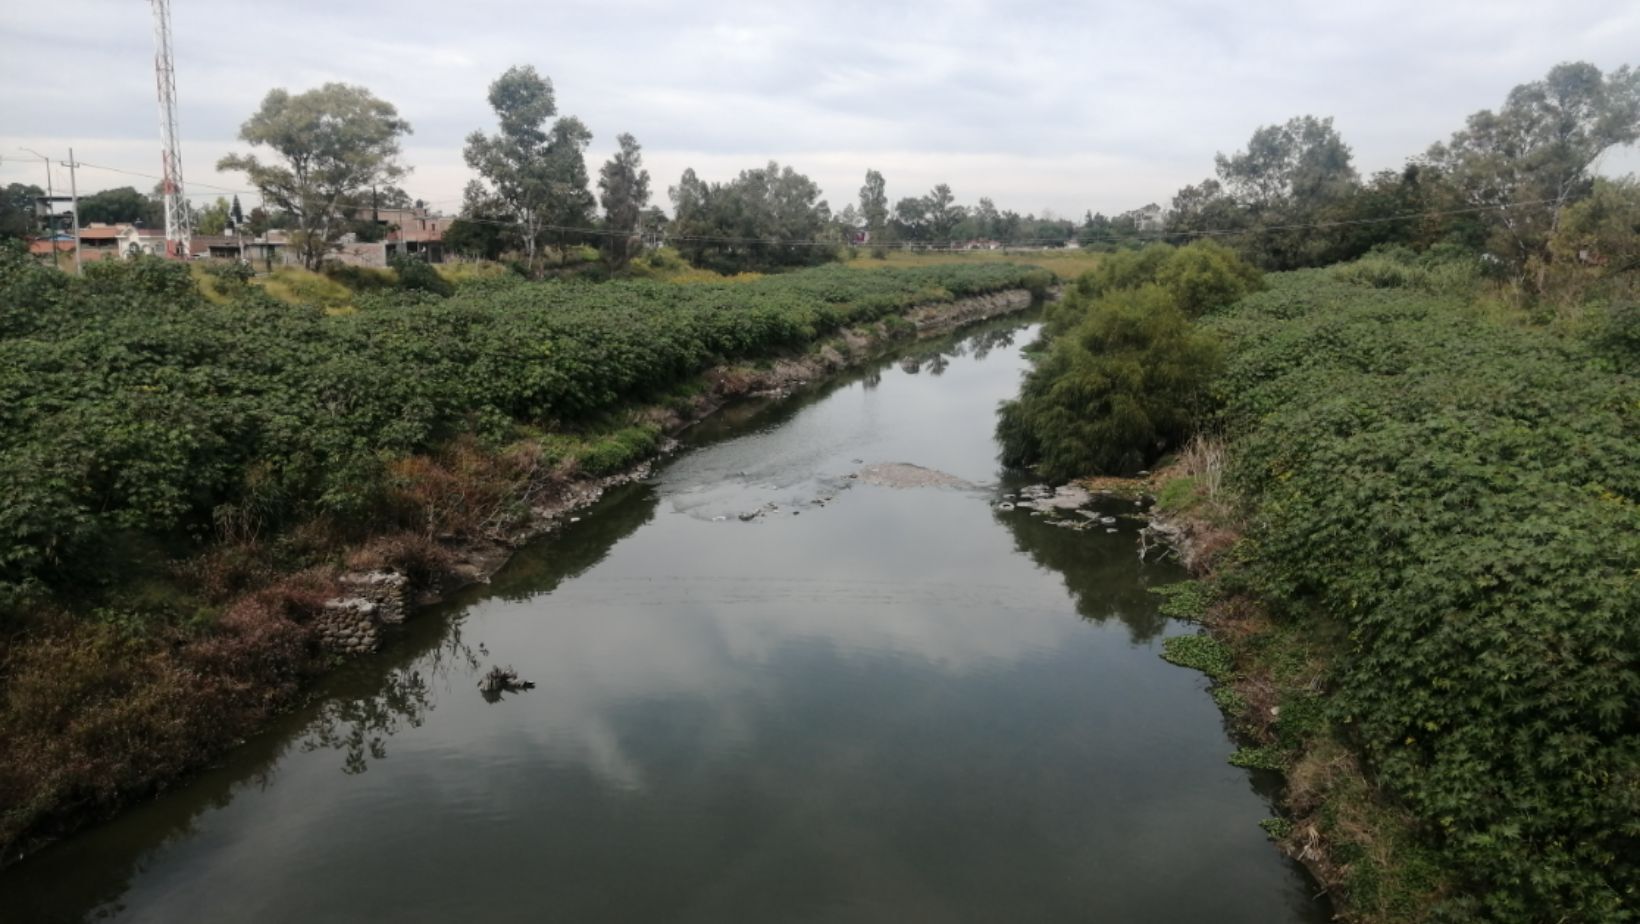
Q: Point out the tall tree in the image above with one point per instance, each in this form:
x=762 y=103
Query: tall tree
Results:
x=985 y=217
x=331 y=143
x=911 y=218
x=484 y=229
x=874 y=203
x=17 y=210
x=623 y=191
x=1531 y=158
x=538 y=175
x=762 y=219
x=1300 y=164
x=569 y=203
x=236 y=215
x=1202 y=208
x=514 y=160
x=942 y=212
x=118 y=206
x=1296 y=173
x=213 y=218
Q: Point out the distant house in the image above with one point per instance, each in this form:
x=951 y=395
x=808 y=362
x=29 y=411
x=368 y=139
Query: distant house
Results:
x=351 y=252
x=137 y=241
x=410 y=232
x=44 y=247
x=1147 y=218
x=214 y=246
x=269 y=250
x=100 y=241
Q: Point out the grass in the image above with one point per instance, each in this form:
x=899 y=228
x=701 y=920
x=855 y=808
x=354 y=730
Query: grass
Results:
x=298 y=286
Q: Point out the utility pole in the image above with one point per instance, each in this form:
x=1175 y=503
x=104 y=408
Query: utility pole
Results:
x=74 y=194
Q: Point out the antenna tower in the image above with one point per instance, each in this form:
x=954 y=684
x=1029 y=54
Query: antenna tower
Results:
x=165 y=74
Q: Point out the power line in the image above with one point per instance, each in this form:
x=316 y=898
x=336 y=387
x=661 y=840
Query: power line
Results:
x=150 y=176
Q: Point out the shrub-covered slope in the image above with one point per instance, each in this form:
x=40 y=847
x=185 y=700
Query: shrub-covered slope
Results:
x=1460 y=494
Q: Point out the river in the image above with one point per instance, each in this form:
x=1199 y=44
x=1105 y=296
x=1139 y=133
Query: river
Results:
x=903 y=704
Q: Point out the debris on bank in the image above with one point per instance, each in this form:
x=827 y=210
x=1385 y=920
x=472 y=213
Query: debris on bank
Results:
x=906 y=475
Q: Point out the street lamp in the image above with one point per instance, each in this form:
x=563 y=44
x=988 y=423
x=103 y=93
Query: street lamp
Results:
x=50 y=193
x=48 y=167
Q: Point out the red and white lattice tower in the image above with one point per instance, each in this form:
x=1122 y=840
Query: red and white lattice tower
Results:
x=165 y=73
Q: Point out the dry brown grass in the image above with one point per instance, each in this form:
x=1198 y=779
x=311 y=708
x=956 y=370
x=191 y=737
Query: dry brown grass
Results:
x=94 y=715
x=469 y=491
x=416 y=555
x=1203 y=460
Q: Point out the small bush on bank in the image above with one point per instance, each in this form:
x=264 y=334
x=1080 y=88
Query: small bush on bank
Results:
x=417 y=275
x=360 y=278
x=1124 y=378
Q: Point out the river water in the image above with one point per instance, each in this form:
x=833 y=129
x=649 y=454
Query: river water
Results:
x=902 y=705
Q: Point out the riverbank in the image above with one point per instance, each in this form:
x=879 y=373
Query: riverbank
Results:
x=117 y=711
x=1418 y=510
x=1270 y=679
x=1417 y=537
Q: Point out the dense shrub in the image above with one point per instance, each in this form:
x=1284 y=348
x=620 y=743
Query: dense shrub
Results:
x=416 y=274
x=360 y=278
x=1462 y=495
x=128 y=402
x=1113 y=392
x=1438 y=271
x=1125 y=374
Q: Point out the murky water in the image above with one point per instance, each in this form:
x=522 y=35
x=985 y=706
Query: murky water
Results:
x=903 y=705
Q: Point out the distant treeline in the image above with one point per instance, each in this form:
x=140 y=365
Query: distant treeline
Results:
x=1291 y=198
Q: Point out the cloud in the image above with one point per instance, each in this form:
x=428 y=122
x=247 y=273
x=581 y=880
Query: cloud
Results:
x=1039 y=106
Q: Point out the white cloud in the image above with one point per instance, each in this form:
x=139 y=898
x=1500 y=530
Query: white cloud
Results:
x=1058 y=106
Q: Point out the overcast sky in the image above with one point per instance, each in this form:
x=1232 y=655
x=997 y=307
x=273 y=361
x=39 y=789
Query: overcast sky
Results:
x=1064 y=106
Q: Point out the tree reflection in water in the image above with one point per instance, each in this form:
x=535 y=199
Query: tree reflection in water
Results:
x=359 y=726
x=1096 y=567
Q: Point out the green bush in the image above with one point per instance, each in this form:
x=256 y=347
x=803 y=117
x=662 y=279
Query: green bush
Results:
x=1463 y=495
x=360 y=278
x=1184 y=600
x=1439 y=271
x=619 y=450
x=1206 y=276
x=1265 y=758
x=417 y=275
x=1113 y=392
